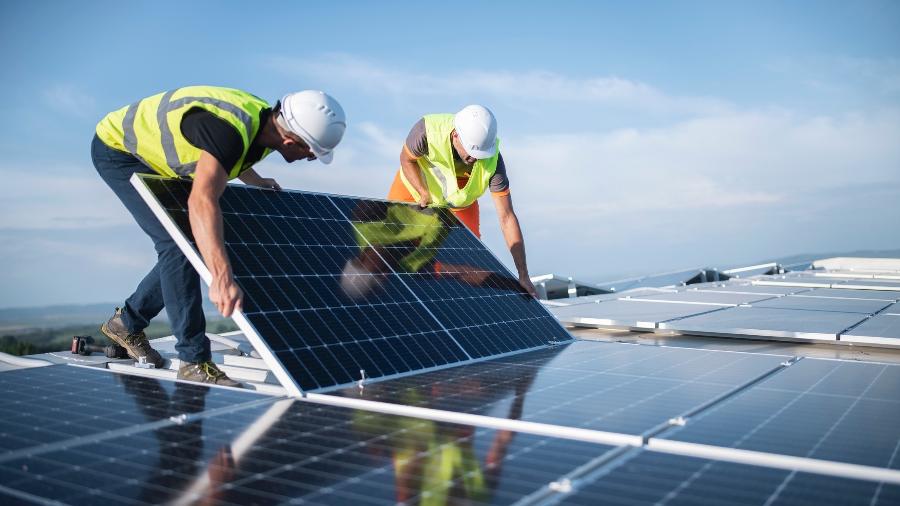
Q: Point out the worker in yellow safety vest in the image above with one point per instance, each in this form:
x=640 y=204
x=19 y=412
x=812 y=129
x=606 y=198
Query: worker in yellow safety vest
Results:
x=211 y=135
x=450 y=160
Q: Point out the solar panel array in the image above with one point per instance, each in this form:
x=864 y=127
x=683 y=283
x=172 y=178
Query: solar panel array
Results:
x=805 y=306
x=181 y=443
x=274 y=452
x=334 y=286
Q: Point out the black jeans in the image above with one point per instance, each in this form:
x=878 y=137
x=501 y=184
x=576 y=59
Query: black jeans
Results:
x=172 y=283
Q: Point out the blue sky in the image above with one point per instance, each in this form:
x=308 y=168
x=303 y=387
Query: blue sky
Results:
x=640 y=136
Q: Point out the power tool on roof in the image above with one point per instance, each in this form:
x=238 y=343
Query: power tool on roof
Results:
x=84 y=345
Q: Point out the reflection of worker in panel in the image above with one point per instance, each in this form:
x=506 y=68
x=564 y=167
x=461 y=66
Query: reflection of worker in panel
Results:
x=180 y=444
x=450 y=161
x=211 y=135
x=405 y=239
x=435 y=462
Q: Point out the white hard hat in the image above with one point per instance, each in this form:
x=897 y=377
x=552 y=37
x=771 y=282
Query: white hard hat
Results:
x=317 y=118
x=477 y=129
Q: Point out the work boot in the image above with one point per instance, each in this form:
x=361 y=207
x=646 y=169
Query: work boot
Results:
x=205 y=372
x=135 y=344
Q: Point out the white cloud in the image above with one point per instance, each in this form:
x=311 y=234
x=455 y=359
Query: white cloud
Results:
x=57 y=198
x=532 y=85
x=69 y=99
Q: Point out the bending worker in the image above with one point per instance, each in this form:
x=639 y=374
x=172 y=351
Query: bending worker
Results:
x=210 y=135
x=449 y=161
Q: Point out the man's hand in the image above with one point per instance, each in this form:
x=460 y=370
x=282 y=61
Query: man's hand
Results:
x=226 y=295
x=424 y=200
x=252 y=178
x=268 y=182
x=526 y=283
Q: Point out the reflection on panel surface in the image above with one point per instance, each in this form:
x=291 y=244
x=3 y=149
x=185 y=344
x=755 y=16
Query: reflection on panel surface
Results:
x=825 y=409
x=336 y=285
x=49 y=404
x=305 y=452
x=657 y=478
x=605 y=386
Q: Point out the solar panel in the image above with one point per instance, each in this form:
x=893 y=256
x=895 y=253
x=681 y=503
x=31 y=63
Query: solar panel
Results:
x=748 y=288
x=744 y=321
x=45 y=405
x=862 y=306
x=631 y=313
x=824 y=409
x=602 y=386
x=658 y=478
x=719 y=298
x=883 y=329
x=335 y=286
x=853 y=294
x=297 y=452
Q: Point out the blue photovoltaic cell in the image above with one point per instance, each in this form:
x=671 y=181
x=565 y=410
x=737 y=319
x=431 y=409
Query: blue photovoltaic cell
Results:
x=824 y=409
x=658 y=478
x=301 y=452
x=337 y=285
x=604 y=386
x=49 y=404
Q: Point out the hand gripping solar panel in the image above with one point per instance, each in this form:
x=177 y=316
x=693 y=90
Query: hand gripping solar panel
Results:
x=334 y=286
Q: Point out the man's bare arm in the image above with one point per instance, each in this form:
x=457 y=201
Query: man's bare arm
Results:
x=206 y=224
x=509 y=225
x=410 y=169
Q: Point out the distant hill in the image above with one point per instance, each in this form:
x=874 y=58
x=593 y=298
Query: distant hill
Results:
x=65 y=315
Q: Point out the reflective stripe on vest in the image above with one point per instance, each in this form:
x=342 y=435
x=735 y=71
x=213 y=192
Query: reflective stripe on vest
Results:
x=150 y=129
x=405 y=223
x=437 y=167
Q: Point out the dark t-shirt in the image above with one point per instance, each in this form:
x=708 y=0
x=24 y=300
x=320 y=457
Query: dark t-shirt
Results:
x=417 y=144
x=206 y=131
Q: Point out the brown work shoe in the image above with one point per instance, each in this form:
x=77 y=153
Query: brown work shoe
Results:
x=205 y=372
x=135 y=344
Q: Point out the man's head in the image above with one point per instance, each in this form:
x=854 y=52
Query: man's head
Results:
x=474 y=135
x=311 y=124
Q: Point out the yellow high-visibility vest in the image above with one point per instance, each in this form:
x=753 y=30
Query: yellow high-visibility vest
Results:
x=437 y=167
x=150 y=129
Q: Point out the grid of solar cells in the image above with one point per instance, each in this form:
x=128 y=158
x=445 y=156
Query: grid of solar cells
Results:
x=330 y=302
x=304 y=453
x=50 y=404
x=825 y=409
x=603 y=386
x=658 y=478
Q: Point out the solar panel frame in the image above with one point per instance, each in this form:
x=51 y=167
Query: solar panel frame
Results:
x=176 y=221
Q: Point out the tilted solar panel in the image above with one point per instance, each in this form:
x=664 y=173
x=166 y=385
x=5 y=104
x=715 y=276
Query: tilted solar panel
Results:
x=335 y=286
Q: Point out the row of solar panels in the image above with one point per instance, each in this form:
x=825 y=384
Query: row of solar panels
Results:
x=583 y=423
x=817 y=306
